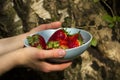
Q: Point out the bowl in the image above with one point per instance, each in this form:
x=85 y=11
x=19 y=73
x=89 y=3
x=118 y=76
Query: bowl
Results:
x=71 y=53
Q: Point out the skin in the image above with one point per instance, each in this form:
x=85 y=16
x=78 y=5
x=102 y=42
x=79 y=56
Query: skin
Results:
x=13 y=53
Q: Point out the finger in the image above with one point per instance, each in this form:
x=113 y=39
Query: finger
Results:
x=48 y=26
x=54 y=53
x=47 y=67
x=51 y=25
x=59 y=67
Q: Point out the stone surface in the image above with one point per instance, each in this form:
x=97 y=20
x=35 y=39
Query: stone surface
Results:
x=97 y=63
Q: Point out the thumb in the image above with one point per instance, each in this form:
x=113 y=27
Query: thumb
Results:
x=54 y=53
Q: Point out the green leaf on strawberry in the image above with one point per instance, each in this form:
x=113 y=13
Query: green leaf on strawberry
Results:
x=37 y=41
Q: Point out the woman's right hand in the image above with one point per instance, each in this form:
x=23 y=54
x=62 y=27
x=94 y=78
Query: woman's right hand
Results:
x=35 y=58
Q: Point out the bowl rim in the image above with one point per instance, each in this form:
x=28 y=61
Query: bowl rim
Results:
x=64 y=28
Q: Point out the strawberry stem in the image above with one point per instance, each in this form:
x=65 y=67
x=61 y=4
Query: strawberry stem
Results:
x=53 y=44
x=33 y=39
x=39 y=46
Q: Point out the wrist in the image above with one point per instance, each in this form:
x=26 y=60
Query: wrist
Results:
x=8 y=61
x=21 y=57
x=21 y=38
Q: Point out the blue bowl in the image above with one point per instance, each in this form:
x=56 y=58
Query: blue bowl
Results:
x=70 y=53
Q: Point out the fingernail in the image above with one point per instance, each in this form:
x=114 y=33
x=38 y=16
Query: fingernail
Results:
x=61 y=53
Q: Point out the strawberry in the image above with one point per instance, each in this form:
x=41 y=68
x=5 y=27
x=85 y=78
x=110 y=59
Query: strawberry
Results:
x=37 y=41
x=74 y=40
x=60 y=34
x=58 y=40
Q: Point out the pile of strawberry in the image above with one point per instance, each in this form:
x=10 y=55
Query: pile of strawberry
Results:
x=60 y=39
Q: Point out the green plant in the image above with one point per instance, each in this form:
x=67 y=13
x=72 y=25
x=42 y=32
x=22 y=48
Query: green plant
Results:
x=94 y=42
x=111 y=20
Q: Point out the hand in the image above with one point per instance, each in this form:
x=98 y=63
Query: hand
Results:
x=34 y=58
x=16 y=42
x=13 y=53
x=46 y=26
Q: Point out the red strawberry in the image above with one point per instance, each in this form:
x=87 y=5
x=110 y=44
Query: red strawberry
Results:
x=58 y=40
x=37 y=41
x=60 y=34
x=74 y=40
